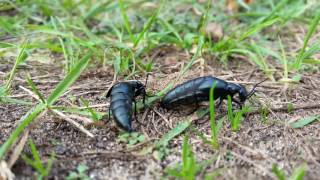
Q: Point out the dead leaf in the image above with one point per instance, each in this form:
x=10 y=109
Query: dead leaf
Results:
x=214 y=31
x=232 y=5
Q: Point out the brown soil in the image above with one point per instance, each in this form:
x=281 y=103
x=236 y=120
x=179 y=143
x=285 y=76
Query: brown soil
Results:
x=246 y=154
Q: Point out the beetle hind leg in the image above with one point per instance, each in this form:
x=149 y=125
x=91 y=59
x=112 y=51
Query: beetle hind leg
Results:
x=109 y=113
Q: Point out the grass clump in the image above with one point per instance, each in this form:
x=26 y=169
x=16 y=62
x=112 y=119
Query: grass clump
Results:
x=36 y=163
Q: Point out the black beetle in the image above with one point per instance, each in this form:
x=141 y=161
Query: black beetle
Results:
x=197 y=90
x=122 y=96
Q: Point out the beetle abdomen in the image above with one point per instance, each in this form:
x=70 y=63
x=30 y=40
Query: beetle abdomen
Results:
x=194 y=91
x=121 y=106
x=183 y=94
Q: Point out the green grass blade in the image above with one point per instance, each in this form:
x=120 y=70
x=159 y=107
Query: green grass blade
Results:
x=284 y=60
x=278 y=172
x=33 y=113
x=98 y=7
x=171 y=28
x=279 y=6
x=214 y=130
x=178 y=129
x=25 y=121
x=312 y=29
x=314 y=49
x=230 y=113
x=304 y=121
x=69 y=79
x=298 y=173
x=185 y=153
x=126 y=20
x=21 y=57
x=195 y=56
x=35 y=90
x=35 y=154
x=258 y=27
x=151 y=20
x=94 y=115
x=4 y=99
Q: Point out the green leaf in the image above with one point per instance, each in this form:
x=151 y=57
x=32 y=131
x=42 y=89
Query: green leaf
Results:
x=304 y=121
x=312 y=29
x=178 y=129
x=298 y=173
x=82 y=168
x=278 y=172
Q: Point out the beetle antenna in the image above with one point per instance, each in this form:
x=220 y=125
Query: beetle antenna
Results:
x=254 y=87
x=145 y=84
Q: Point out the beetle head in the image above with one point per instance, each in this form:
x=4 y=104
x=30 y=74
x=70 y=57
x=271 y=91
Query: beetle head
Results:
x=237 y=88
x=138 y=87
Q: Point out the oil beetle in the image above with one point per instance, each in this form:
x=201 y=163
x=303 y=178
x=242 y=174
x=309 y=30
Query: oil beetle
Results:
x=122 y=96
x=197 y=90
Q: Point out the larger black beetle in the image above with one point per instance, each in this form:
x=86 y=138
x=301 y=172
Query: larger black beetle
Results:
x=122 y=96
x=197 y=90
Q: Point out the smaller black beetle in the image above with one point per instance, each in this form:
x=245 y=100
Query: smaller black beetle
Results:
x=197 y=90
x=122 y=96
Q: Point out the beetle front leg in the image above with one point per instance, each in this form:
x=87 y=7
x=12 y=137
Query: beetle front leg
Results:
x=220 y=102
x=237 y=102
x=144 y=98
x=135 y=108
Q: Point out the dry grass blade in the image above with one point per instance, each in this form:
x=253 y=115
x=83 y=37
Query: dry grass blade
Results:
x=74 y=123
x=18 y=149
x=5 y=172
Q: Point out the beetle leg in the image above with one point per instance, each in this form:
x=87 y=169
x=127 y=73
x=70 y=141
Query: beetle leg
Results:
x=237 y=102
x=135 y=108
x=220 y=102
x=144 y=98
x=109 y=113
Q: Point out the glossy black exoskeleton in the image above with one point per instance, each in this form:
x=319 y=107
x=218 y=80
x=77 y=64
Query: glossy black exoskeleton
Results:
x=197 y=90
x=122 y=97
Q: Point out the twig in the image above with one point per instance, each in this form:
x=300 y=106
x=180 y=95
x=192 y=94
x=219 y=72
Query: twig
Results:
x=87 y=92
x=30 y=93
x=163 y=117
x=94 y=106
x=85 y=120
x=71 y=121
